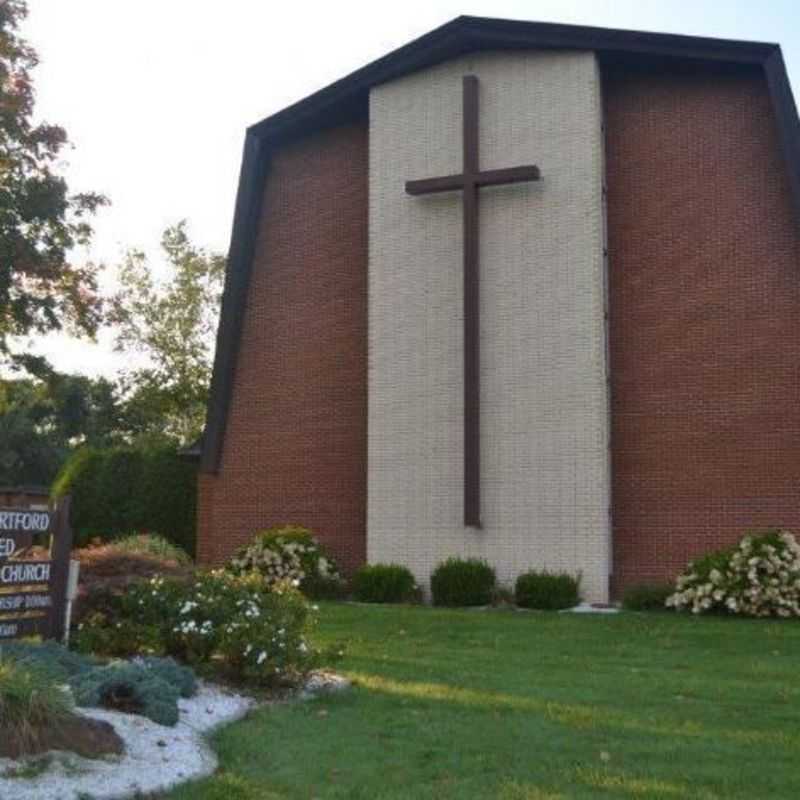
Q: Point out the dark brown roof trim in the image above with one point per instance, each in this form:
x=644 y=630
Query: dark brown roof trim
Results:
x=347 y=99
x=234 y=297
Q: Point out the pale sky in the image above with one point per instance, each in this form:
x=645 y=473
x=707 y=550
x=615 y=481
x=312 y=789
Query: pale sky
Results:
x=156 y=94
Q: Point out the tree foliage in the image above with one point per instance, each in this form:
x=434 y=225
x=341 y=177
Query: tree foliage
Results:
x=172 y=323
x=44 y=417
x=40 y=221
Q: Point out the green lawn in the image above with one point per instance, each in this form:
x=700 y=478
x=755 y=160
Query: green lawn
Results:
x=475 y=704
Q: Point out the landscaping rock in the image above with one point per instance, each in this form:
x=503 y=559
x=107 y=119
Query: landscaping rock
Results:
x=323 y=683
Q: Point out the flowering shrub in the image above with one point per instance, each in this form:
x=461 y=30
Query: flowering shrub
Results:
x=760 y=577
x=229 y=622
x=290 y=553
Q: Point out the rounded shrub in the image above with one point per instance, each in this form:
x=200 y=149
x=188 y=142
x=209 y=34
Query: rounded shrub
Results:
x=548 y=591
x=290 y=553
x=647 y=597
x=463 y=582
x=759 y=577
x=129 y=687
x=384 y=583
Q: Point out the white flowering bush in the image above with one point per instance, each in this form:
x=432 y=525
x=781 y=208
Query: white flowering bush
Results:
x=224 y=622
x=760 y=577
x=290 y=553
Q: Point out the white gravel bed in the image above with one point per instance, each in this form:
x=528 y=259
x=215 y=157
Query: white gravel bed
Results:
x=156 y=757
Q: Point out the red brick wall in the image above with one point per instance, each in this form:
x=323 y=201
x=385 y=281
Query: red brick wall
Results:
x=295 y=444
x=704 y=263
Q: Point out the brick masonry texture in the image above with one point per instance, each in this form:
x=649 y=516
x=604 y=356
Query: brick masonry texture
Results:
x=704 y=258
x=296 y=438
x=544 y=403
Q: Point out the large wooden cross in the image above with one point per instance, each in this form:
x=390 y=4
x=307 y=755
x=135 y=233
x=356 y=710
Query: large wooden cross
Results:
x=469 y=181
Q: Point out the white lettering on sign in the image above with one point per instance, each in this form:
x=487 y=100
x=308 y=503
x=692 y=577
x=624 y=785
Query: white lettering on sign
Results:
x=12 y=602
x=8 y=630
x=38 y=601
x=7 y=547
x=16 y=602
x=37 y=572
x=33 y=521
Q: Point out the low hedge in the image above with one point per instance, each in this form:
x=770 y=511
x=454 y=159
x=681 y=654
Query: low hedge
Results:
x=548 y=591
x=384 y=583
x=463 y=582
x=122 y=489
x=647 y=597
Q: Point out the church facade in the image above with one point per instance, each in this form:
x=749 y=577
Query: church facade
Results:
x=517 y=291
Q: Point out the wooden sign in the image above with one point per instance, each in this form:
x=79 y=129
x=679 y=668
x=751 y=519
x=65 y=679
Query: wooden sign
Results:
x=33 y=587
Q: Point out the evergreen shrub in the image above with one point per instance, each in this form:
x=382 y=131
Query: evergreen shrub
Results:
x=384 y=583
x=122 y=489
x=129 y=687
x=647 y=597
x=463 y=582
x=548 y=591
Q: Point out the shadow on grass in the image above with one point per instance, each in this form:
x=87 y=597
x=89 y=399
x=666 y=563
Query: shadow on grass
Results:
x=572 y=715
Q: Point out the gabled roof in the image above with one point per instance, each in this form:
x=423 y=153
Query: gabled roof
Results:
x=347 y=99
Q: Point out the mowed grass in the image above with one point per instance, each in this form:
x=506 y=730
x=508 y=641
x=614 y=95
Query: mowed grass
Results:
x=527 y=706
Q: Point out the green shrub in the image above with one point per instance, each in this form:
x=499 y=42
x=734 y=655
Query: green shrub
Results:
x=463 y=582
x=122 y=489
x=546 y=590
x=129 y=687
x=384 y=583
x=168 y=669
x=647 y=596
x=759 y=577
x=100 y=634
x=49 y=658
x=30 y=700
x=219 y=621
x=290 y=553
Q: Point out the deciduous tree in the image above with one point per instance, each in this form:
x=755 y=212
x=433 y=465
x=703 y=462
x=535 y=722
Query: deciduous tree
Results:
x=172 y=324
x=41 y=289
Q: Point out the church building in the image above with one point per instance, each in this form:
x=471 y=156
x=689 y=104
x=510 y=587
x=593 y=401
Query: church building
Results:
x=519 y=291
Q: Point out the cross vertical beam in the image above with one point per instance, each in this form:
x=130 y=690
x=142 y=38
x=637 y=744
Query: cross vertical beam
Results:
x=469 y=182
x=472 y=338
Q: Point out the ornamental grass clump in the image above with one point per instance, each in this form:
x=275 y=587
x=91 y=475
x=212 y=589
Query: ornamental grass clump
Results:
x=760 y=577
x=290 y=553
x=30 y=701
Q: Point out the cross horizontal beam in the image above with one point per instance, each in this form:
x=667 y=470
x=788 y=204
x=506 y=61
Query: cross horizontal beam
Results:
x=488 y=177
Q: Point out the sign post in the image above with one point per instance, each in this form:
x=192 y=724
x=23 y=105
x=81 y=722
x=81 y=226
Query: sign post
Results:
x=33 y=588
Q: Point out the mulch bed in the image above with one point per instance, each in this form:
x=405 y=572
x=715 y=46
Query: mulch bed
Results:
x=90 y=738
